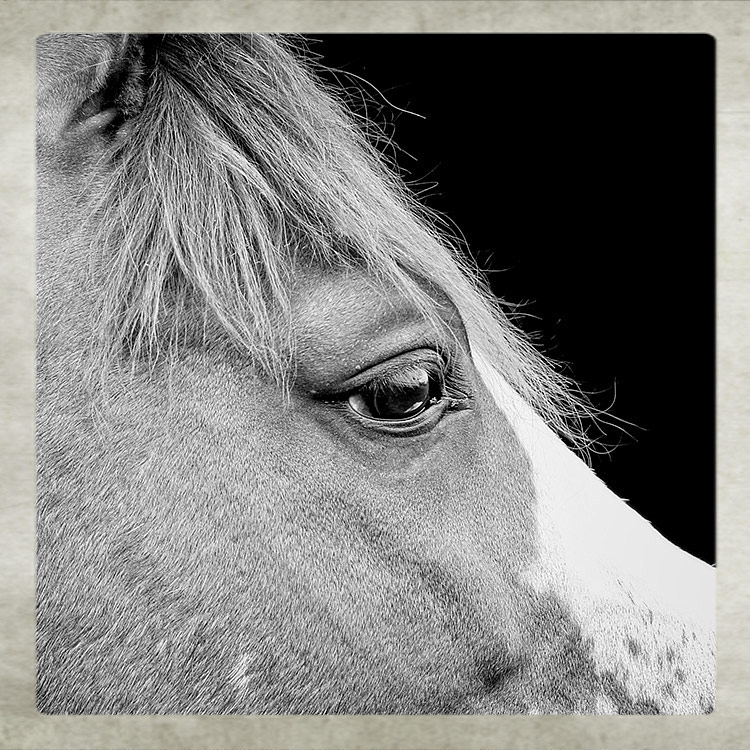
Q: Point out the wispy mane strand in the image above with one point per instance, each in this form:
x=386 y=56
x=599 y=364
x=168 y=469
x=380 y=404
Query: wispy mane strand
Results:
x=241 y=164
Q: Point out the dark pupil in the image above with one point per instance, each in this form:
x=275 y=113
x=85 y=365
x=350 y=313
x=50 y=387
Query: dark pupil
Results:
x=403 y=395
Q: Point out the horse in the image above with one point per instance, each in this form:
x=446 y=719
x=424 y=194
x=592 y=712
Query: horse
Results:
x=293 y=457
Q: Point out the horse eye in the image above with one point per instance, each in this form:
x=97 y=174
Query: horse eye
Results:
x=400 y=395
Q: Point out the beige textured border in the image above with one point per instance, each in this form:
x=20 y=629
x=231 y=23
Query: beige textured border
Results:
x=20 y=725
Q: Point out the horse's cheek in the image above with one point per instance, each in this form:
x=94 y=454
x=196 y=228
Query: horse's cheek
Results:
x=395 y=547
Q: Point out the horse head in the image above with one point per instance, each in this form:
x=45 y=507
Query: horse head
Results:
x=292 y=457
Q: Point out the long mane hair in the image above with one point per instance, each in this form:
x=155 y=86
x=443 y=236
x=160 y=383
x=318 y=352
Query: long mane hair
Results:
x=239 y=167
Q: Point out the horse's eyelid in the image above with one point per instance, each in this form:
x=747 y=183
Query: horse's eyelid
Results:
x=385 y=378
x=438 y=365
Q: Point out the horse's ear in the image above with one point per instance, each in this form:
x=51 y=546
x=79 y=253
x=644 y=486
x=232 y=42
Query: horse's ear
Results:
x=119 y=89
x=90 y=86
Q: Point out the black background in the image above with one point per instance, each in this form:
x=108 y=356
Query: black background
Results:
x=580 y=171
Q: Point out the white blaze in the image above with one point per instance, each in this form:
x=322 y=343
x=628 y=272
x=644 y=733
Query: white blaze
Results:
x=621 y=581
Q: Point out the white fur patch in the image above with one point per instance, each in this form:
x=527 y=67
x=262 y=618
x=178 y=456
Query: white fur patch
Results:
x=645 y=607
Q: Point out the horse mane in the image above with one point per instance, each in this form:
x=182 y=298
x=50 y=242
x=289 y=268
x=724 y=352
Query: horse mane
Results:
x=239 y=166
